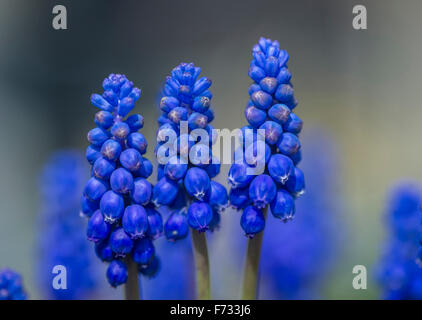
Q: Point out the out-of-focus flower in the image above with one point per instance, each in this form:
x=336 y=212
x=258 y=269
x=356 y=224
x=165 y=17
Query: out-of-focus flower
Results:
x=398 y=272
x=11 y=287
x=61 y=239
x=297 y=257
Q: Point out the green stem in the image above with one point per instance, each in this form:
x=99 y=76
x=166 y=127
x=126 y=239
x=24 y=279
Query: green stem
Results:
x=132 y=284
x=202 y=265
x=250 y=276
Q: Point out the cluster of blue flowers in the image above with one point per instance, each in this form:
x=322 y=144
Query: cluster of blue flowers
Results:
x=122 y=220
x=11 y=287
x=60 y=237
x=399 y=274
x=186 y=164
x=270 y=109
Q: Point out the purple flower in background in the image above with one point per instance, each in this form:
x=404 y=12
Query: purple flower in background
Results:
x=297 y=257
x=61 y=239
x=11 y=287
x=398 y=272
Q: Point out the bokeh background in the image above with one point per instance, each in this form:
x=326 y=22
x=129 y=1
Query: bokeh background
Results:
x=360 y=88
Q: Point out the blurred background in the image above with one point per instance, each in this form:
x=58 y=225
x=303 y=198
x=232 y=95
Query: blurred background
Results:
x=358 y=94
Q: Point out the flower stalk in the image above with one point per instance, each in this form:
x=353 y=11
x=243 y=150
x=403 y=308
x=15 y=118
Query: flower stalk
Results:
x=132 y=284
x=202 y=265
x=251 y=271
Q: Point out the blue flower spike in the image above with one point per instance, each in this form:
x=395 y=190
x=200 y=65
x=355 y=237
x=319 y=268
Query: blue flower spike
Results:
x=273 y=142
x=264 y=174
x=118 y=198
x=184 y=184
x=186 y=166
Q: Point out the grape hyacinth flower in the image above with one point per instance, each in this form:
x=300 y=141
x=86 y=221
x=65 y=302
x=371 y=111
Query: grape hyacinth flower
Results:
x=398 y=273
x=11 y=287
x=61 y=239
x=116 y=198
x=187 y=165
x=271 y=140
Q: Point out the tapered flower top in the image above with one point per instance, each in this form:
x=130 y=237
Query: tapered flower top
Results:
x=11 y=287
x=186 y=162
x=399 y=274
x=270 y=143
x=61 y=239
x=122 y=221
